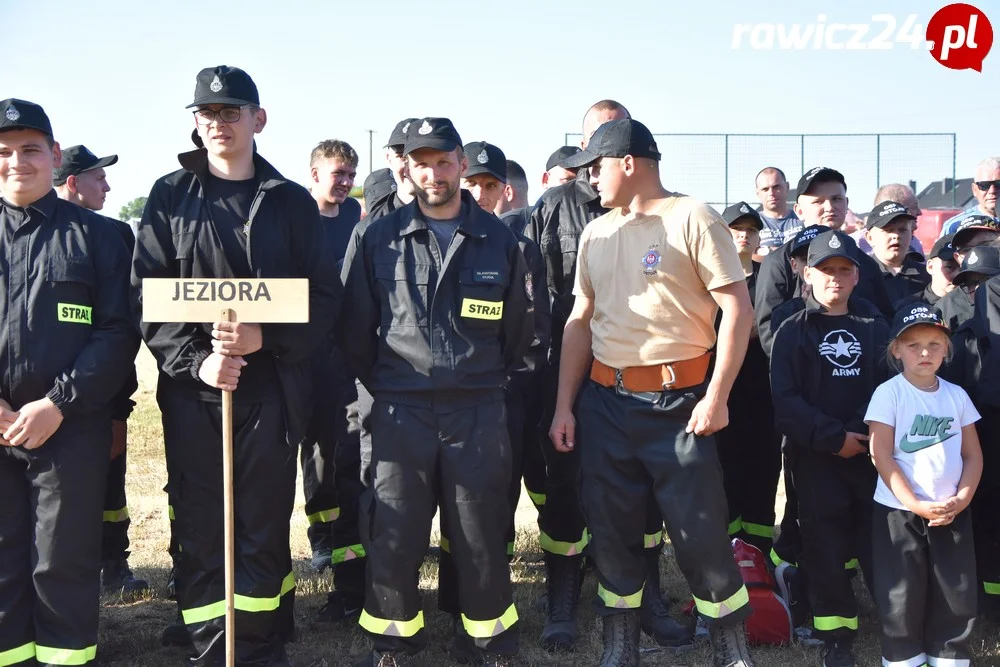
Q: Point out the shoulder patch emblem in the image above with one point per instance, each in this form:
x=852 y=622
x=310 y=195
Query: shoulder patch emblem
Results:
x=651 y=260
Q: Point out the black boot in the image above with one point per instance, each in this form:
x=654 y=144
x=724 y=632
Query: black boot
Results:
x=654 y=617
x=730 y=647
x=394 y=659
x=176 y=634
x=564 y=578
x=462 y=648
x=621 y=640
x=117 y=580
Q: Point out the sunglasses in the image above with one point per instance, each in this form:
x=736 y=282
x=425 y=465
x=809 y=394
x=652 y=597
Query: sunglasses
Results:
x=985 y=185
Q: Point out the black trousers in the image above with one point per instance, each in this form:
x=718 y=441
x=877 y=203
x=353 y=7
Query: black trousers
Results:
x=50 y=545
x=924 y=587
x=458 y=458
x=264 y=490
x=787 y=547
x=835 y=510
x=985 y=514
x=114 y=542
x=630 y=448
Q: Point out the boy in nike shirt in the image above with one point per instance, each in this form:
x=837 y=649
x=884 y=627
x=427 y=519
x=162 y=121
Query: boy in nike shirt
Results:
x=826 y=361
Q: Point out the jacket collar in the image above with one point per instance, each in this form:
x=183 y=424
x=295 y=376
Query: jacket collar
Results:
x=856 y=306
x=46 y=205
x=473 y=224
x=196 y=162
x=911 y=267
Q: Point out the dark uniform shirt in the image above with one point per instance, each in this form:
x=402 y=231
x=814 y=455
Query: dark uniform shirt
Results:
x=518 y=218
x=927 y=295
x=67 y=331
x=911 y=280
x=955 y=307
x=384 y=207
x=339 y=228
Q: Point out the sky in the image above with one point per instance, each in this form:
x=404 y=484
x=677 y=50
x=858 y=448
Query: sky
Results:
x=116 y=77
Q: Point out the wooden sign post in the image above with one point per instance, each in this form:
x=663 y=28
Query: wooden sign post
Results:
x=277 y=300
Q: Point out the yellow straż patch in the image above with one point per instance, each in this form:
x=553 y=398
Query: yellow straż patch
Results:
x=482 y=310
x=69 y=312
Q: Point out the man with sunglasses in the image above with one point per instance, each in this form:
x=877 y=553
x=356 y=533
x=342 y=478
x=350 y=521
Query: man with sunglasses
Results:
x=976 y=231
x=227 y=213
x=986 y=189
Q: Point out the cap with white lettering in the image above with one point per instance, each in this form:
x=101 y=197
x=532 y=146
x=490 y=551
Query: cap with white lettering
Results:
x=914 y=314
x=885 y=213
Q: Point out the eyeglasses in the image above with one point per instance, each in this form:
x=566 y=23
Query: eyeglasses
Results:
x=225 y=114
x=972 y=284
x=985 y=185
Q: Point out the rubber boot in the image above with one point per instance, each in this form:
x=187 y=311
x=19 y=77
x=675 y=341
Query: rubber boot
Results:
x=621 y=640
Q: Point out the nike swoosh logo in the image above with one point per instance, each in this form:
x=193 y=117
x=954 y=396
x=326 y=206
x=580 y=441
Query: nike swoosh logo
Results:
x=910 y=446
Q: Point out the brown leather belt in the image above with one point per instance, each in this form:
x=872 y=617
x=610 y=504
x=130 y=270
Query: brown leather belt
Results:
x=665 y=377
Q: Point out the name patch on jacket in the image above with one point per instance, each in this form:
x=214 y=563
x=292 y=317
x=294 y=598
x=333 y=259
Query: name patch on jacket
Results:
x=486 y=276
x=70 y=312
x=482 y=310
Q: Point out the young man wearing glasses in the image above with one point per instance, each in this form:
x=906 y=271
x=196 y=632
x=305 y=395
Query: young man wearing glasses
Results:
x=986 y=189
x=227 y=213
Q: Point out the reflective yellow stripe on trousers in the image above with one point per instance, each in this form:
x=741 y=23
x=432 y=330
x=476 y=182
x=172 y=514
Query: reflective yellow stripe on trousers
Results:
x=17 y=655
x=116 y=516
x=491 y=627
x=65 y=656
x=615 y=601
x=241 y=602
x=563 y=548
x=323 y=516
x=389 y=628
x=345 y=554
x=735 y=601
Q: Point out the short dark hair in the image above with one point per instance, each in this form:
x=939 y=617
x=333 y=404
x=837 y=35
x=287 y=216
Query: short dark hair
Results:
x=774 y=169
x=516 y=176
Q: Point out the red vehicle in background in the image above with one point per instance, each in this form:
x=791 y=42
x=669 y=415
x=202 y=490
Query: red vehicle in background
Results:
x=929 y=225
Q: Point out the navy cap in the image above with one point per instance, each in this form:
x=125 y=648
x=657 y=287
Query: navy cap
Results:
x=616 y=138
x=398 y=135
x=224 y=85
x=805 y=237
x=885 y=213
x=741 y=210
x=818 y=175
x=379 y=185
x=18 y=114
x=437 y=133
x=943 y=248
x=984 y=261
x=828 y=245
x=559 y=157
x=78 y=159
x=971 y=225
x=486 y=158
x=914 y=314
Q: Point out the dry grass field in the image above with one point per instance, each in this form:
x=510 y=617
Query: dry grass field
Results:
x=130 y=632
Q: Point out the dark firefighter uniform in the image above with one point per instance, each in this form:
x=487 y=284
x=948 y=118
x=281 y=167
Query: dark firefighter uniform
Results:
x=198 y=226
x=433 y=334
x=824 y=370
x=912 y=278
x=68 y=335
x=385 y=199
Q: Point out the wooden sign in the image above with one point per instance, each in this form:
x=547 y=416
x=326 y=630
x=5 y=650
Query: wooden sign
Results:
x=254 y=301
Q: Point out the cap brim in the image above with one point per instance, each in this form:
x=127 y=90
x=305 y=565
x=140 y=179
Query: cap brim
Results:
x=475 y=170
x=881 y=224
x=436 y=143
x=233 y=101
x=582 y=159
x=836 y=253
x=964 y=233
x=963 y=275
x=61 y=177
x=757 y=222
x=910 y=325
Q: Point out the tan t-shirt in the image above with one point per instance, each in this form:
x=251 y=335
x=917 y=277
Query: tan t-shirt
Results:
x=650 y=276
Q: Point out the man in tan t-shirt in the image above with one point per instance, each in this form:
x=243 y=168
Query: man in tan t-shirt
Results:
x=651 y=276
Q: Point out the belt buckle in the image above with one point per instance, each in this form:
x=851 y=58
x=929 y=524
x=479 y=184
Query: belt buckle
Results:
x=644 y=396
x=668 y=386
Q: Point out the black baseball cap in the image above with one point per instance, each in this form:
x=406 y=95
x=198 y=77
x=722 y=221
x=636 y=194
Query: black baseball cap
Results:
x=914 y=314
x=828 y=245
x=973 y=224
x=398 y=135
x=741 y=210
x=486 y=158
x=885 y=213
x=818 y=175
x=224 y=85
x=78 y=159
x=616 y=138
x=984 y=261
x=437 y=133
x=943 y=248
x=805 y=237
x=557 y=158
x=18 y=114
x=379 y=185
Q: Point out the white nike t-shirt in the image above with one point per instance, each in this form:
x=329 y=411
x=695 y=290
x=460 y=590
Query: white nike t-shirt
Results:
x=928 y=434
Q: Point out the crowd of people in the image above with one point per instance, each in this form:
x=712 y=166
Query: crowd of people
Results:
x=646 y=367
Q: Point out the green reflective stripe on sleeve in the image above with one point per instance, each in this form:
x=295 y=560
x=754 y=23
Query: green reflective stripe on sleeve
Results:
x=991 y=588
x=652 y=540
x=65 y=656
x=827 y=623
x=344 y=554
x=382 y=626
x=615 y=601
x=170 y=513
x=536 y=498
x=735 y=601
x=491 y=627
x=852 y=564
x=205 y=613
x=15 y=655
x=323 y=516
x=758 y=529
x=562 y=548
x=116 y=516
x=445 y=545
x=735 y=525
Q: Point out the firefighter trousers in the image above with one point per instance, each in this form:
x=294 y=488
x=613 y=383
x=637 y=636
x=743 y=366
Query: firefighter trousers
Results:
x=458 y=457
x=50 y=545
x=629 y=448
x=264 y=490
x=114 y=540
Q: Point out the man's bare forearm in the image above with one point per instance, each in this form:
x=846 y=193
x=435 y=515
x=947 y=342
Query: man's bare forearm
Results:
x=575 y=361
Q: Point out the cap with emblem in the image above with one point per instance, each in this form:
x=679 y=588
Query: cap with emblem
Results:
x=398 y=135
x=805 y=237
x=437 y=133
x=18 y=114
x=818 y=175
x=78 y=159
x=974 y=223
x=224 y=85
x=742 y=211
x=914 y=314
x=616 y=138
x=831 y=244
x=558 y=158
x=943 y=248
x=486 y=158
x=981 y=261
x=885 y=213
x=379 y=185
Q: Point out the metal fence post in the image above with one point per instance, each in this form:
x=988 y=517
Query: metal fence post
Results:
x=726 y=172
x=878 y=160
x=802 y=154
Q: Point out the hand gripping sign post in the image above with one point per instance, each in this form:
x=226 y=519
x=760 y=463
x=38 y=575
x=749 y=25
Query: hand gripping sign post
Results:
x=272 y=300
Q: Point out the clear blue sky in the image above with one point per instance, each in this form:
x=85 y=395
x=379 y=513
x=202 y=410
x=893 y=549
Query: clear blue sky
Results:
x=117 y=75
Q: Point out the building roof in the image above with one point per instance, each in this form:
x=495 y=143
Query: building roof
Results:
x=947 y=193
